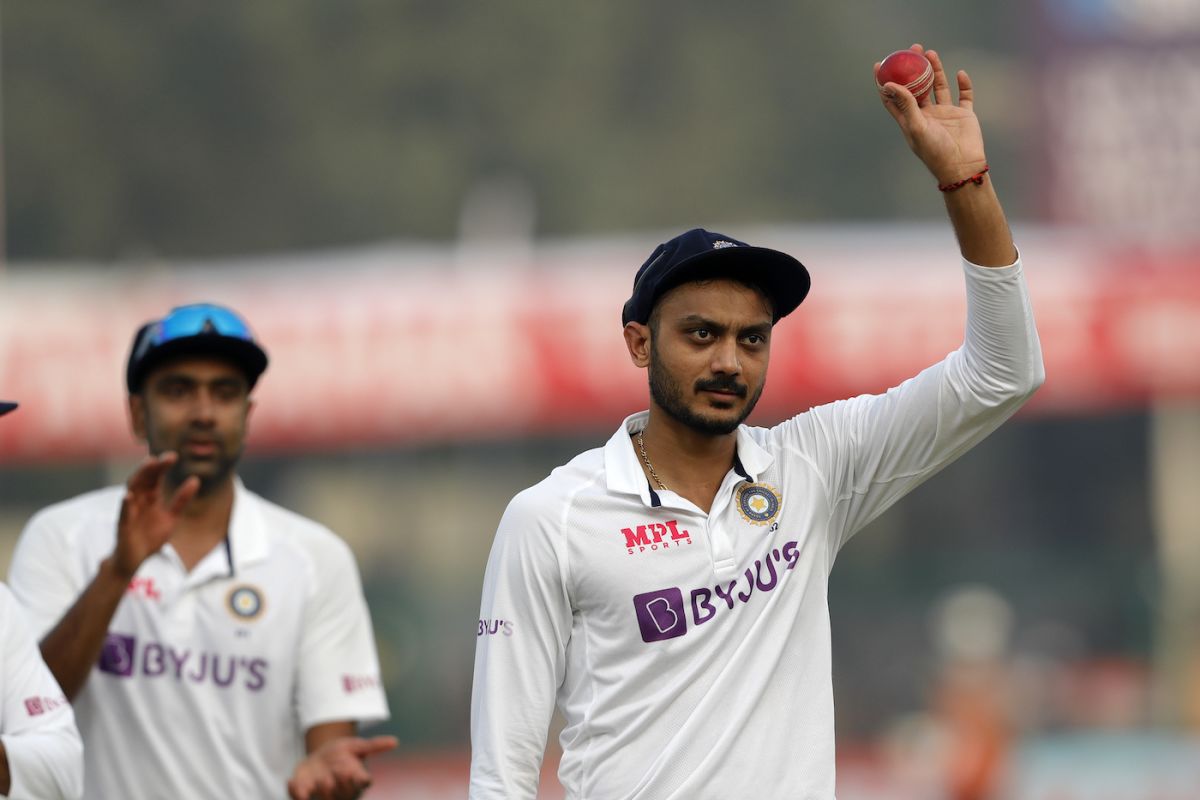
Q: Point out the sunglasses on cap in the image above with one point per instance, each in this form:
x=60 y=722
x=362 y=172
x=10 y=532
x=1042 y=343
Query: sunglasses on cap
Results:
x=196 y=319
x=198 y=328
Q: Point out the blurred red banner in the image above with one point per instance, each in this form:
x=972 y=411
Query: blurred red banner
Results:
x=396 y=346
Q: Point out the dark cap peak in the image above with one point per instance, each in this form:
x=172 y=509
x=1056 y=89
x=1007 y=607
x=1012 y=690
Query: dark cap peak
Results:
x=699 y=254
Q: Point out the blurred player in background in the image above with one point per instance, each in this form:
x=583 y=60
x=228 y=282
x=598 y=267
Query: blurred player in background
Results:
x=668 y=590
x=41 y=756
x=213 y=643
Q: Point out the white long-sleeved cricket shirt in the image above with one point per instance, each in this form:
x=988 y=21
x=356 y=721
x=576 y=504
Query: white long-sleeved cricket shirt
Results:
x=690 y=652
x=37 y=726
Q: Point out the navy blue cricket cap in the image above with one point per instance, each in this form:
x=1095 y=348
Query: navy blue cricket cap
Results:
x=702 y=255
x=6 y=407
x=199 y=329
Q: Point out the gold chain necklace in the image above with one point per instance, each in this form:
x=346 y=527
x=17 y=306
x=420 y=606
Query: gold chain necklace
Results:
x=649 y=466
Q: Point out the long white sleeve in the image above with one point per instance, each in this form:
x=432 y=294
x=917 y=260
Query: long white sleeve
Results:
x=37 y=726
x=874 y=449
x=520 y=655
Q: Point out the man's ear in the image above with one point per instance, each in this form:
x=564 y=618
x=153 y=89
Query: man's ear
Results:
x=137 y=416
x=637 y=340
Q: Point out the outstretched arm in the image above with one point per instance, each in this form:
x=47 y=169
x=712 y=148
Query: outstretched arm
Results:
x=948 y=140
x=873 y=449
x=148 y=517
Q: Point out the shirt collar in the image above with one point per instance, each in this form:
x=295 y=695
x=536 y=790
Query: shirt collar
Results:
x=754 y=458
x=623 y=466
x=247 y=538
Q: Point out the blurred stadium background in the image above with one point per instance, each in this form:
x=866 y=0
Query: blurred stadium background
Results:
x=431 y=212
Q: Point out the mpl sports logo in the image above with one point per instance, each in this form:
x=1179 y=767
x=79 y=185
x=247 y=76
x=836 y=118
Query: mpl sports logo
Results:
x=144 y=587
x=663 y=614
x=655 y=536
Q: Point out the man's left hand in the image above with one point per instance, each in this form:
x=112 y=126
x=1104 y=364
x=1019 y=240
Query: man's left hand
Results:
x=337 y=769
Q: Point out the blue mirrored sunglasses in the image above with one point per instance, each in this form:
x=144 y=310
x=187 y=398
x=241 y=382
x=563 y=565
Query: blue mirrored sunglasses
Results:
x=198 y=319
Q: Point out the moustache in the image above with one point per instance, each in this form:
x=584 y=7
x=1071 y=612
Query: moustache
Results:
x=729 y=384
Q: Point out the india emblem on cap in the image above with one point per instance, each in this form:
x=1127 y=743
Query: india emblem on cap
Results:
x=721 y=244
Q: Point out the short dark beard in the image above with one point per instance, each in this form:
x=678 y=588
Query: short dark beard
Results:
x=178 y=473
x=667 y=394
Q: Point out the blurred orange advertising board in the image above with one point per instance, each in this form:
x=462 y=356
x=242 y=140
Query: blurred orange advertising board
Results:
x=395 y=347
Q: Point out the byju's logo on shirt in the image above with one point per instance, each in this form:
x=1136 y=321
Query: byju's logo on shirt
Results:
x=654 y=536
x=660 y=614
x=490 y=627
x=121 y=656
x=118 y=655
x=663 y=615
x=36 y=706
x=356 y=683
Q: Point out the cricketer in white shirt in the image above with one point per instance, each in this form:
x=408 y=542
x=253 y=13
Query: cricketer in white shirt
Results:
x=690 y=652
x=215 y=644
x=208 y=678
x=669 y=590
x=41 y=752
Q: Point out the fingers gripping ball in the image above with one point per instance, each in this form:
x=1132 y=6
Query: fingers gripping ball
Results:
x=909 y=69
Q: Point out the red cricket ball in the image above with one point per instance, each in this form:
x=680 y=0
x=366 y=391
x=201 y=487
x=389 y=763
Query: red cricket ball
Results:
x=909 y=69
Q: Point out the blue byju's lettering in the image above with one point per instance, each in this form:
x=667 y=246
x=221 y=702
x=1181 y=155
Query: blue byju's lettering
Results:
x=120 y=658
x=661 y=614
x=490 y=627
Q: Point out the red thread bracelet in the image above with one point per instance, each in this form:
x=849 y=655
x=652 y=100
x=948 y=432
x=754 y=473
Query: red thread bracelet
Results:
x=976 y=179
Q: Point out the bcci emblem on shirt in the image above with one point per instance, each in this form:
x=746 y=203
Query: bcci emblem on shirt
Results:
x=245 y=602
x=758 y=503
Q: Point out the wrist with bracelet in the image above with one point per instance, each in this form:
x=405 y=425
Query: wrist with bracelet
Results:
x=976 y=179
